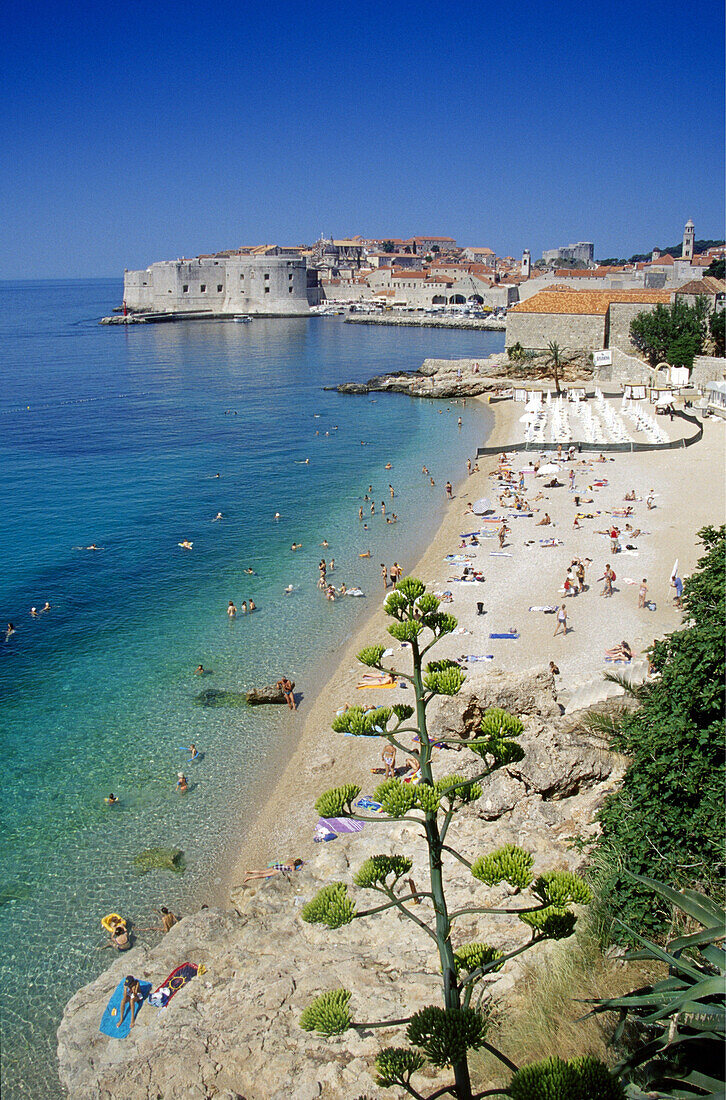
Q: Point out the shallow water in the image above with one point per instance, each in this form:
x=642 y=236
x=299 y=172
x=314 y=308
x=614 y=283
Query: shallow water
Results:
x=115 y=436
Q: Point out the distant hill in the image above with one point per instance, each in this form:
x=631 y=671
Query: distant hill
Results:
x=675 y=250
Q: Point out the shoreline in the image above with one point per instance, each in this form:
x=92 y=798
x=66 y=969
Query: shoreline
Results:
x=283 y=826
x=321 y=756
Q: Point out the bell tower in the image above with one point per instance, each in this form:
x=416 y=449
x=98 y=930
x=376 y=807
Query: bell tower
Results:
x=526 y=264
x=689 y=238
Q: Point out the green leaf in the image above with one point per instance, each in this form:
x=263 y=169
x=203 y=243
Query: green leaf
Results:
x=561 y=888
x=377 y=869
x=372 y=656
x=337 y=802
x=331 y=906
x=396 y=798
x=476 y=956
x=328 y=1014
x=553 y=922
x=395 y=1066
x=507 y=864
x=446 y=1034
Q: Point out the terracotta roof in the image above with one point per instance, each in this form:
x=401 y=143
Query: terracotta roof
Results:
x=405 y=273
x=707 y=285
x=472 y=248
x=594 y=302
x=664 y=261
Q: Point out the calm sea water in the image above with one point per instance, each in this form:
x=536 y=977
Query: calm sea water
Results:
x=134 y=439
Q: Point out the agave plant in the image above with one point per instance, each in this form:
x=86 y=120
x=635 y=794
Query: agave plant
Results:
x=683 y=1016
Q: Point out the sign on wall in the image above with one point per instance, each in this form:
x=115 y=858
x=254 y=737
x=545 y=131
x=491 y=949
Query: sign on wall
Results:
x=602 y=358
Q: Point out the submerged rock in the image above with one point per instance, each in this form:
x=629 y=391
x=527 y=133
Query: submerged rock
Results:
x=160 y=859
x=216 y=697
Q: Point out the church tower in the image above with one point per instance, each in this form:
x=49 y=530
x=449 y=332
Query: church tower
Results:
x=689 y=237
x=526 y=264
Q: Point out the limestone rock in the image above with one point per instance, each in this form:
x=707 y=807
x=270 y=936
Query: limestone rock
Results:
x=270 y=694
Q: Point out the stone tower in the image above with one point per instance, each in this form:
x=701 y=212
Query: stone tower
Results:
x=689 y=237
x=526 y=264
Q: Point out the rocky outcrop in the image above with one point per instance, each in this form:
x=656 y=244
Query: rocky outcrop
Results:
x=234 y=1032
x=271 y=694
x=448 y=378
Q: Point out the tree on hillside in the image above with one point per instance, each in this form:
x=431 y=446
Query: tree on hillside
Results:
x=717 y=269
x=443 y=1034
x=667 y=819
x=673 y=334
x=388 y=246
x=717 y=328
x=555 y=363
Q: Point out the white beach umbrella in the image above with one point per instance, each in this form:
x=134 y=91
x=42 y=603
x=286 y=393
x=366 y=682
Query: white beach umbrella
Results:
x=481 y=507
x=548 y=468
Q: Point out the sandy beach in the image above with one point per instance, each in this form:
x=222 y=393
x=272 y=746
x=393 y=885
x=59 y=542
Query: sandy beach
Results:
x=688 y=491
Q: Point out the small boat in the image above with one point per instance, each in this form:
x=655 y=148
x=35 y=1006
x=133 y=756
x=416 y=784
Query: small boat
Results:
x=243 y=320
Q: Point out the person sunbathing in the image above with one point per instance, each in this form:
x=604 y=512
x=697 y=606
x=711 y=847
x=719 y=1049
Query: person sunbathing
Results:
x=620 y=652
x=544 y=521
x=378 y=679
x=630 y=495
x=272 y=870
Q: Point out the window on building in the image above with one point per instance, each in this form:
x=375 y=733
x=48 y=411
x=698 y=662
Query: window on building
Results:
x=202 y=288
x=219 y=288
x=290 y=289
x=241 y=274
x=185 y=288
x=267 y=276
x=267 y=290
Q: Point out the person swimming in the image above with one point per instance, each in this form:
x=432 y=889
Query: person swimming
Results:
x=193 y=751
x=181 y=783
x=111 y=800
x=199 y=670
x=185 y=544
x=218 y=516
x=289 y=590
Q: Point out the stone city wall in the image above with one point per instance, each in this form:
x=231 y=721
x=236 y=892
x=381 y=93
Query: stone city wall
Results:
x=247 y=284
x=620 y=316
x=536 y=330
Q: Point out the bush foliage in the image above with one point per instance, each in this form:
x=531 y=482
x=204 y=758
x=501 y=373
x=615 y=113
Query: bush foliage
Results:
x=667 y=820
x=673 y=334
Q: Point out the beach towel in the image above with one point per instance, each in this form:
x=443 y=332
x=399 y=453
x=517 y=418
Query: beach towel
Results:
x=111 y=1013
x=377 y=686
x=322 y=834
x=548 y=609
x=616 y=661
x=340 y=824
x=521 y=515
x=499 y=554
x=181 y=976
x=472 y=657
x=551 y=542
x=513 y=634
x=366 y=803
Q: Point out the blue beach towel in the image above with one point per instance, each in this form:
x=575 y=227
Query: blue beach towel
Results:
x=111 y=1013
x=509 y=634
x=366 y=803
x=478 y=657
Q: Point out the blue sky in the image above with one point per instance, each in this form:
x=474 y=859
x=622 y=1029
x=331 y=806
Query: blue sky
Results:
x=141 y=131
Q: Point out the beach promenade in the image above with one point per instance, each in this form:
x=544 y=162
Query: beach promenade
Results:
x=688 y=494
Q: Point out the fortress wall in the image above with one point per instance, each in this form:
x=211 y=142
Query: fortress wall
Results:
x=569 y=330
x=248 y=284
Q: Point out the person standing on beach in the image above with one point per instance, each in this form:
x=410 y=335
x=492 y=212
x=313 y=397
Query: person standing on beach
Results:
x=468 y=466
x=448 y=490
x=502 y=534
x=388 y=756
x=608 y=576
x=384 y=574
x=561 y=621
x=643 y=594
x=677 y=584
x=287 y=687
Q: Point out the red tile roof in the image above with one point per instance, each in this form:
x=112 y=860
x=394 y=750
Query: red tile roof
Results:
x=592 y=302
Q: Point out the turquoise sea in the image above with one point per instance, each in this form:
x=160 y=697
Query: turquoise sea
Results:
x=133 y=439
